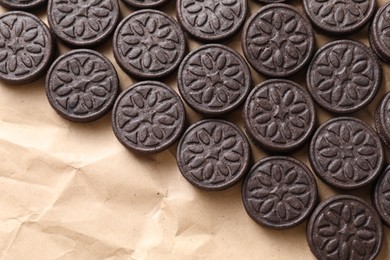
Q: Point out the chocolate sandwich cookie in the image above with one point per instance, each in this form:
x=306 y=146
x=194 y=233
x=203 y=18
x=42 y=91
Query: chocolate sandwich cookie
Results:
x=145 y=3
x=211 y=20
x=24 y=5
x=82 y=85
x=382 y=119
x=339 y=17
x=148 y=44
x=148 y=117
x=213 y=154
x=26 y=47
x=379 y=33
x=381 y=196
x=84 y=23
x=214 y=79
x=346 y=153
x=279 y=192
x=345 y=227
x=278 y=40
x=279 y=115
x=344 y=76
x=271 y=1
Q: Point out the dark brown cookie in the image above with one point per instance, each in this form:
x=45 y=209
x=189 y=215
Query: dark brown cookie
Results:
x=145 y=3
x=278 y=40
x=148 y=117
x=214 y=79
x=83 y=23
x=379 y=34
x=346 y=153
x=26 y=47
x=279 y=192
x=82 y=85
x=345 y=227
x=381 y=196
x=339 y=17
x=279 y=115
x=25 y=5
x=213 y=154
x=382 y=119
x=211 y=20
x=148 y=44
x=344 y=76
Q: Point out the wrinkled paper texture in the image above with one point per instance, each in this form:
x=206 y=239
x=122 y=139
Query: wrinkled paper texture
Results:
x=72 y=191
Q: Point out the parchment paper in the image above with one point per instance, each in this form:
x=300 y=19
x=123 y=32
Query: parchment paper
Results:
x=72 y=191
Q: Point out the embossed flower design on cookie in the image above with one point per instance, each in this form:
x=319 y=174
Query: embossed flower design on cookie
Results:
x=25 y=5
x=148 y=117
x=381 y=196
x=278 y=43
x=279 y=115
x=279 y=192
x=210 y=19
x=344 y=227
x=82 y=85
x=346 y=153
x=214 y=79
x=149 y=44
x=83 y=22
x=344 y=76
x=25 y=47
x=339 y=16
x=213 y=154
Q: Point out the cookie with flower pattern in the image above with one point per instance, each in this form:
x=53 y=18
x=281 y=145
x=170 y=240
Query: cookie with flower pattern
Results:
x=339 y=17
x=278 y=40
x=345 y=227
x=148 y=117
x=214 y=79
x=279 y=192
x=381 y=196
x=346 y=153
x=149 y=44
x=24 y=5
x=344 y=76
x=26 y=47
x=211 y=20
x=379 y=33
x=83 y=23
x=213 y=154
x=82 y=85
x=279 y=115
x=382 y=119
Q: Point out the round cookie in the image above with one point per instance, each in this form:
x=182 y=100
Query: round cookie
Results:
x=213 y=154
x=82 y=85
x=83 y=23
x=279 y=115
x=24 y=5
x=140 y=4
x=379 y=33
x=344 y=227
x=278 y=40
x=339 y=17
x=148 y=44
x=382 y=120
x=346 y=153
x=381 y=196
x=344 y=76
x=26 y=47
x=214 y=79
x=148 y=117
x=279 y=192
x=211 y=20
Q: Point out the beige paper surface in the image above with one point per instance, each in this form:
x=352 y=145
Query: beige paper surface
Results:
x=72 y=191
